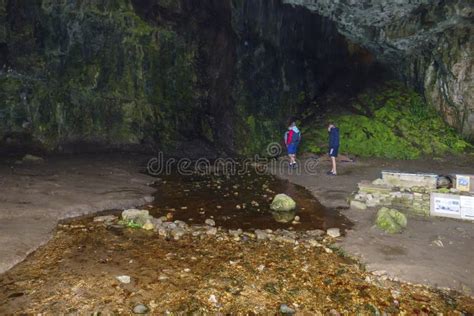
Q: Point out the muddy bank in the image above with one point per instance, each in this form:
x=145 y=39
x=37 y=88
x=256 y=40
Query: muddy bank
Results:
x=35 y=196
x=411 y=256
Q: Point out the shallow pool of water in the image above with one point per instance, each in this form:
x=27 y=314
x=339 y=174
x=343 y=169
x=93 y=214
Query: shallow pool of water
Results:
x=239 y=201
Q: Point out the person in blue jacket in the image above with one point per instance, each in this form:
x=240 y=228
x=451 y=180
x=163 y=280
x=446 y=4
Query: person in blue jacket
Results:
x=333 y=147
x=292 y=140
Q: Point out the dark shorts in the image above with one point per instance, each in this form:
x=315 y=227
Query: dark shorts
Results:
x=333 y=151
x=292 y=149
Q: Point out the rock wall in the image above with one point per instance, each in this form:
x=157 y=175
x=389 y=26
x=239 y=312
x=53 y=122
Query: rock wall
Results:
x=203 y=77
x=428 y=43
x=117 y=74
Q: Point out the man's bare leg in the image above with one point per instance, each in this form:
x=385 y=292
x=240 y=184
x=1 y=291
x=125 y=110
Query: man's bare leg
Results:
x=334 y=170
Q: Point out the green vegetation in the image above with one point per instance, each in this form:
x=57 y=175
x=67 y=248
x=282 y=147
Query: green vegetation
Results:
x=114 y=78
x=392 y=122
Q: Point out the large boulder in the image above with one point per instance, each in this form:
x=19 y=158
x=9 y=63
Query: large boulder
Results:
x=391 y=220
x=283 y=203
x=140 y=217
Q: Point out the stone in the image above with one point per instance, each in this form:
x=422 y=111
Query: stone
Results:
x=378 y=182
x=235 y=233
x=313 y=243
x=125 y=279
x=410 y=180
x=211 y=231
x=358 y=205
x=149 y=199
x=285 y=239
x=390 y=220
x=283 y=217
x=177 y=233
x=334 y=232
x=140 y=309
x=139 y=217
x=260 y=234
x=32 y=159
x=148 y=225
x=315 y=233
x=283 y=203
x=286 y=310
x=105 y=218
x=210 y=222
x=212 y=299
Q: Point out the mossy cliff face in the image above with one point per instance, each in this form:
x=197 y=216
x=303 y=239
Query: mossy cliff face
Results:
x=100 y=72
x=388 y=121
x=428 y=44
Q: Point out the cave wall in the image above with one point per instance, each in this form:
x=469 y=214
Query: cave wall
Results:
x=428 y=43
x=119 y=74
x=215 y=76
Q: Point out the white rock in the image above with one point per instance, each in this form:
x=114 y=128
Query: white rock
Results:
x=210 y=222
x=333 y=232
x=124 y=279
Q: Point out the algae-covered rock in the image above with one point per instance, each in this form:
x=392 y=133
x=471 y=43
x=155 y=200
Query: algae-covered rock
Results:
x=283 y=203
x=139 y=217
x=391 y=220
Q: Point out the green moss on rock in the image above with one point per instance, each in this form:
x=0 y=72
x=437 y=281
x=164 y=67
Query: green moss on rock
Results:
x=392 y=122
x=391 y=220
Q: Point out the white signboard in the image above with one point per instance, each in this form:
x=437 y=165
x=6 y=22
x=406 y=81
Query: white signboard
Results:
x=446 y=205
x=467 y=207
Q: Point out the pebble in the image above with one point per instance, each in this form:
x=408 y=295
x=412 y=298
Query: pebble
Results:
x=315 y=233
x=163 y=277
x=286 y=310
x=333 y=232
x=210 y=222
x=125 y=279
x=148 y=225
x=212 y=231
x=213 y=299
x=106 y=218
x=260 y=234
x=140 y=309
x=177 y=233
